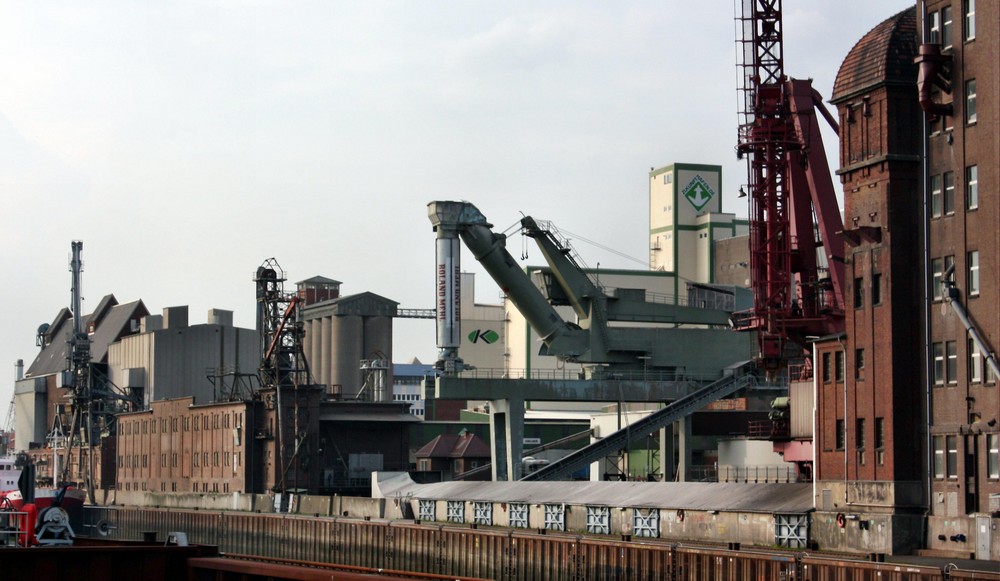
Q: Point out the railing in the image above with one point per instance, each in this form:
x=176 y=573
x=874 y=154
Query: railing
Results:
x=12 y=530
x=744 y=474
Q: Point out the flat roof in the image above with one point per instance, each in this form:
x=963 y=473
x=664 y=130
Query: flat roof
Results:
x=794 y=498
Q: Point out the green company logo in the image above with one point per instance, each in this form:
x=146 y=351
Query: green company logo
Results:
x=698 y=192
x=488 y=336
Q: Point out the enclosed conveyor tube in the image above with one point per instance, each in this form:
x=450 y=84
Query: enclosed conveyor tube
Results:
x=462 y=219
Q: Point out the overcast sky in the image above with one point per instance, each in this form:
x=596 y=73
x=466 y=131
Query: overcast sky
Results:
x=187 y=142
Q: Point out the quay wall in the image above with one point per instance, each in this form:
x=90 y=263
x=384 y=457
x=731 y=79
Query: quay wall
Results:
x=492 y=553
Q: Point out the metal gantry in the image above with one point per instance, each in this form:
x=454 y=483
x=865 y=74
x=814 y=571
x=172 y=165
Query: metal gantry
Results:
x=283 y=370
x=791 y=194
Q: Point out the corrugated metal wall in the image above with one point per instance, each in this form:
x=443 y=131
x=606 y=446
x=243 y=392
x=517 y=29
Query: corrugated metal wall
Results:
x=501 y=554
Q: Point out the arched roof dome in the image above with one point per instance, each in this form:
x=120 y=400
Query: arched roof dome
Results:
x=884 y=55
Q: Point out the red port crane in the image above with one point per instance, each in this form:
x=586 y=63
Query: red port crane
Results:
x=793 y=206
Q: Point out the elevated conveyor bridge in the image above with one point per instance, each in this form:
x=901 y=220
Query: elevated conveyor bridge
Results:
x=685 y=406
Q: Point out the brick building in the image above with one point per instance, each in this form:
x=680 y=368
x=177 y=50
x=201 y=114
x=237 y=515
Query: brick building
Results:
x=866 y=461
x=962 y=175
x=907 y=406
x=179 y=446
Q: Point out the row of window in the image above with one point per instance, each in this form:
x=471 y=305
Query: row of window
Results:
x=940 y=24
x=943 y=192
x=860 y=435
x=937 y=125
x=141 y=486
x=946 y=456
x=940 y=268
x=137 y=461
x=945 y=355
x=859 y=290
x=645 y=521
x=218 y=421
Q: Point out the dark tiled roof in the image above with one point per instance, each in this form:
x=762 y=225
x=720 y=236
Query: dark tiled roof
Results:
x=885 y=54
x=318 y=280
x=113 y=327
x=362 y=304
x=112 y=324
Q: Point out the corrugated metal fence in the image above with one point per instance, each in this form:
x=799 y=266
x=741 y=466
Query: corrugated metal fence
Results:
x=502 y=554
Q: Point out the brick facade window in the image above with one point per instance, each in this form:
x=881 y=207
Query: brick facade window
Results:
x=946 y=34
x=972 y=187
x=970 y=101
x=972 y=261
x=975 y=362
x=969 y=28
x=939 y=457
x=937 y=350
x=993 y=456
x=951 y=455
x=936 y=193
x=880 y=440
x=877 y=288
x=951 y=364
x=949 y=192
x=841 y=435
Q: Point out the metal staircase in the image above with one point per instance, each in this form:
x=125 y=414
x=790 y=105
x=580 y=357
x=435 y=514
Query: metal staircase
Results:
x=676 y=410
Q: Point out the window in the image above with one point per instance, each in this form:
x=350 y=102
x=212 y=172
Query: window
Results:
x=975 y=362
x=518 y=518
x=425 y=509
x=952 y=456
x=555 y=517
x=877 y=289
x=880 y=440
x=973 y=278
x=859 y=359
x=826 y=367
x=936 y=196
x=646 y=522
x=482 y=513
x=859 y=434
x=599 y=520
x=969 y=30
x=839 y=366
x=934 y=25
x=972 y=187
x=841 y=436
x=456 y=511
x=946 y=41
x=993 y=455
x=938 y=351
x=951 y=365
x=949 y=193
x=938 y=456
x=859 y=293
x=970 y=101
x=939 y=266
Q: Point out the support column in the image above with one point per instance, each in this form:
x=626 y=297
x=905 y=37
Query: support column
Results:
x=315 y=354
x=325 y=335
x=506 y=438
x=683 y=426
x=667 y=453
